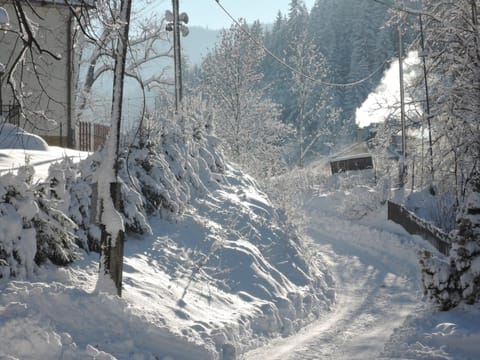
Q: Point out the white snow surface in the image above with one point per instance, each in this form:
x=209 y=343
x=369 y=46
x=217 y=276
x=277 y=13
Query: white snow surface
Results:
x=215 y=283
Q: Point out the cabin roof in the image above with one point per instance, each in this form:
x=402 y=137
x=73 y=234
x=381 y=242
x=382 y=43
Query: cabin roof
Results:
x=357 y=150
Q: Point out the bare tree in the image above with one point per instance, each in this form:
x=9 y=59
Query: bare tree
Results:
x=453 y=44
x=148 y=43
x=309 y=61
x=245 y=118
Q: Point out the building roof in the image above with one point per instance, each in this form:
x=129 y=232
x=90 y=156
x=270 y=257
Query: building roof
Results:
x=356 y=150
x=74 y=3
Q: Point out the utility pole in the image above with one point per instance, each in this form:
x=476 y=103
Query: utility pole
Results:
x=4 y=20
x=423 y=55
x=108 y=189
x=177 y=24
x=402 y=169
x=302 y=140
x=177 y=55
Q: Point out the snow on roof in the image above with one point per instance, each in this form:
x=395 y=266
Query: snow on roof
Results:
x=13 y=137
x=354 y=151
x=354 y=156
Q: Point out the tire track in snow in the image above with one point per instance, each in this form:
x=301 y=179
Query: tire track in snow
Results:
x=375 y=271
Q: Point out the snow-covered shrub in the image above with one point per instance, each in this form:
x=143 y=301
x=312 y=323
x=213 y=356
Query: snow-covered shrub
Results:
x=65 y=205
x=439 y=209
x=34 y=229
x=439 y=280
x=55 y=235
x=132 y=209
x=17 y=234
x=79 y=211
x=152 y=174
x=169 y=160
x=55 y=231
x=361 y=193
x=160 y=168
x=362 y=200
x=465 y=252
x=458 y=279
x=288 y=190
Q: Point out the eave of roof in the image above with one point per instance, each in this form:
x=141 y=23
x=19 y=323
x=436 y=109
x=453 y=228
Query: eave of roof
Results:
x=74 y=3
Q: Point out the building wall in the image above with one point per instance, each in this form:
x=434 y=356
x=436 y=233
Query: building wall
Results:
x=45 y=83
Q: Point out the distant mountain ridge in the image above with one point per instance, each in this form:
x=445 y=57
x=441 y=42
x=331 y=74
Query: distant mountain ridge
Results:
x=198 y=43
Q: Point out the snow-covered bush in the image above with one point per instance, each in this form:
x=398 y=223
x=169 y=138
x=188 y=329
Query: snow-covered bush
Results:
x=155 y=167
x=439 y=280
x=56 y=239
x=169 y=160
x=160 y=168
x=17 y=234
x=458 y=279
x=439 y=209
x=32 y=228
x=55 y=235
x=288 y=190
x=362 y=200
x=79 y=210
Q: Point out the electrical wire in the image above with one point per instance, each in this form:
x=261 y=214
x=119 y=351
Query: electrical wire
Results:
x=404 y=9
x=291 y=68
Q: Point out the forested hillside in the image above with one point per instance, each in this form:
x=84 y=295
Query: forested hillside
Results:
x=354 y=40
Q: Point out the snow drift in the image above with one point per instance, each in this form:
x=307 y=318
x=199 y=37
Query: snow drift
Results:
x=211 y=267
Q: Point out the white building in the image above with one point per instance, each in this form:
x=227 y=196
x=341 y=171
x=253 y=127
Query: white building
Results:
x=44 y=80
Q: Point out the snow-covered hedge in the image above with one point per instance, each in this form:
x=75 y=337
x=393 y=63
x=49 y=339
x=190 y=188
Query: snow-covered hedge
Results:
x=160 y=170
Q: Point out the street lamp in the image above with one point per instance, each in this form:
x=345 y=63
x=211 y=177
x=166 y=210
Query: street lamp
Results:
x=177 y=23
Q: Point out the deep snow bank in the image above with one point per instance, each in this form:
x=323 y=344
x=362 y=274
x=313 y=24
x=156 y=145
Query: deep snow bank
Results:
x=211 y=267
x=209 y=282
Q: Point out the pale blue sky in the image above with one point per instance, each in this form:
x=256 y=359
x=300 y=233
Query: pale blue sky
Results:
x=208 y=13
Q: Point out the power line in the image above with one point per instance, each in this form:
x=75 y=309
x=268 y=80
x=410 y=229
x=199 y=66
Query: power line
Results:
x=291 y=68
x=404 y=9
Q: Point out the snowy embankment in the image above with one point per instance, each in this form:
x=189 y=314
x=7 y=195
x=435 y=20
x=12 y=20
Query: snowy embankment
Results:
x=221 y=277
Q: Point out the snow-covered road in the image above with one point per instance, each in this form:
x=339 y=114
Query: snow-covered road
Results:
x=375 y=269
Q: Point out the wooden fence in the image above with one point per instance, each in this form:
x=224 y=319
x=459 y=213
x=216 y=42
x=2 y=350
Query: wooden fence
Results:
x=416 y=226
x=92 y=136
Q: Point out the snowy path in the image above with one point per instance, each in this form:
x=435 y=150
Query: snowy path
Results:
x=376 y=275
